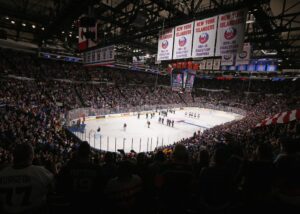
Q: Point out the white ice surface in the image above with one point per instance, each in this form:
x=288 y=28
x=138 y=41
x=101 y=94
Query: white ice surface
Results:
x=141 y=138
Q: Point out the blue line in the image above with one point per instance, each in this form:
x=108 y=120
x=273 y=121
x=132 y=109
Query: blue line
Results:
x=194 y=124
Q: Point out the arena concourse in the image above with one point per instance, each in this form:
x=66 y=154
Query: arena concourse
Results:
x=79 y=135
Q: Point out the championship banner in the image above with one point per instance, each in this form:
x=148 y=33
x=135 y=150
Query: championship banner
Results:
x=231 y=30
x=216 y=64
x=204 y=37
x=243 y=57
x=209 y=64
x=227 y=59
x=183 y=41
x=165 y=44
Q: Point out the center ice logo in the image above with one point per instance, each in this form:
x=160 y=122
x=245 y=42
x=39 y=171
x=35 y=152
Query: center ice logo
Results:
x=230 y=33
x=243 y=54
x=182 y=41
x=164 y=44
x=203 y=38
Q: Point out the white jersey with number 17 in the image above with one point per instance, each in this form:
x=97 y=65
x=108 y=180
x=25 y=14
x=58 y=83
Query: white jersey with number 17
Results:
x=25 y=188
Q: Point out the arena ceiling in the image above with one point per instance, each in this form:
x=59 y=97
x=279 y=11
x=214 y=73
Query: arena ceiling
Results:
x=273 y=25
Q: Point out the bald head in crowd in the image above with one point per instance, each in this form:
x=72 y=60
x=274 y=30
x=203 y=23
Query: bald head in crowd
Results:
x=23 y=154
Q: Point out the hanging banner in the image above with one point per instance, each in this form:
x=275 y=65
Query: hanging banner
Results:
x=202 y=64
x=92 y=42
x=227 y=59
x=82 y=40
x=204 y=37
x=216 y=64
x=209 y=64
x=231 y=30
x=183 y=41
x=165 y=44
x=243 y=57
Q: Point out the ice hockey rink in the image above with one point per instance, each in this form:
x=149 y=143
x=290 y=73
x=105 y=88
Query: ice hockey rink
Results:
x=140 y=138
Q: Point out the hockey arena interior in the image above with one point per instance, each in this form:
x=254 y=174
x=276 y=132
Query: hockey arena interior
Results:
x=149 y=106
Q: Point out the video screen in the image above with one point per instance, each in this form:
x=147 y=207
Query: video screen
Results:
x=177 y=81
x=189 y=82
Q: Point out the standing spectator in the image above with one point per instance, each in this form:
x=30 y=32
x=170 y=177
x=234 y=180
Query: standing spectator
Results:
x=122 y=192
x=175 y=182
x=80 y=181
x=216 y=181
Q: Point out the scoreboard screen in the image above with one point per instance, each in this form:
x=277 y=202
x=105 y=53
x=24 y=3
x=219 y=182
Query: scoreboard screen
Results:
x=189 y=82
x=182 y=79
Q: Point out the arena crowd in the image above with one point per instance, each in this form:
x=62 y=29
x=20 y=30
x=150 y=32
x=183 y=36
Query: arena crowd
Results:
x=231 y=168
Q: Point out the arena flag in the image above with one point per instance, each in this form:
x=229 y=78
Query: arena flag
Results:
x=243 y=58
x=183 y=41
x=165 y=44
x=283 y=117
x=92 y=42
x=204 y=37
x=231 y=30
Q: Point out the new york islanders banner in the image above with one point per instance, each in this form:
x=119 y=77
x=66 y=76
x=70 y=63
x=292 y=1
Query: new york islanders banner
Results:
x=204 y=37
x=231 y=30
x=165 y=44
x=183 y=41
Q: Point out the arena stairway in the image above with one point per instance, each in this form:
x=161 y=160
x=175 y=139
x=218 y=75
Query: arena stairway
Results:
x=101 y=94
x=120 y=91
x=182 y=98
x=80 y=97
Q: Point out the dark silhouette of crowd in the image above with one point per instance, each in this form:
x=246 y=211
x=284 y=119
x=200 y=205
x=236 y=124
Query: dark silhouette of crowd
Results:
x=230 y=168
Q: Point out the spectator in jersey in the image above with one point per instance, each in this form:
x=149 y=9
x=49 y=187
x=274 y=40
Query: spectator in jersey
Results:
x=80 y=181
x=287 y=165
x=23 y=186
x=175 y=180
x=122 y=192
x=216 y=181
x=257 y=178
